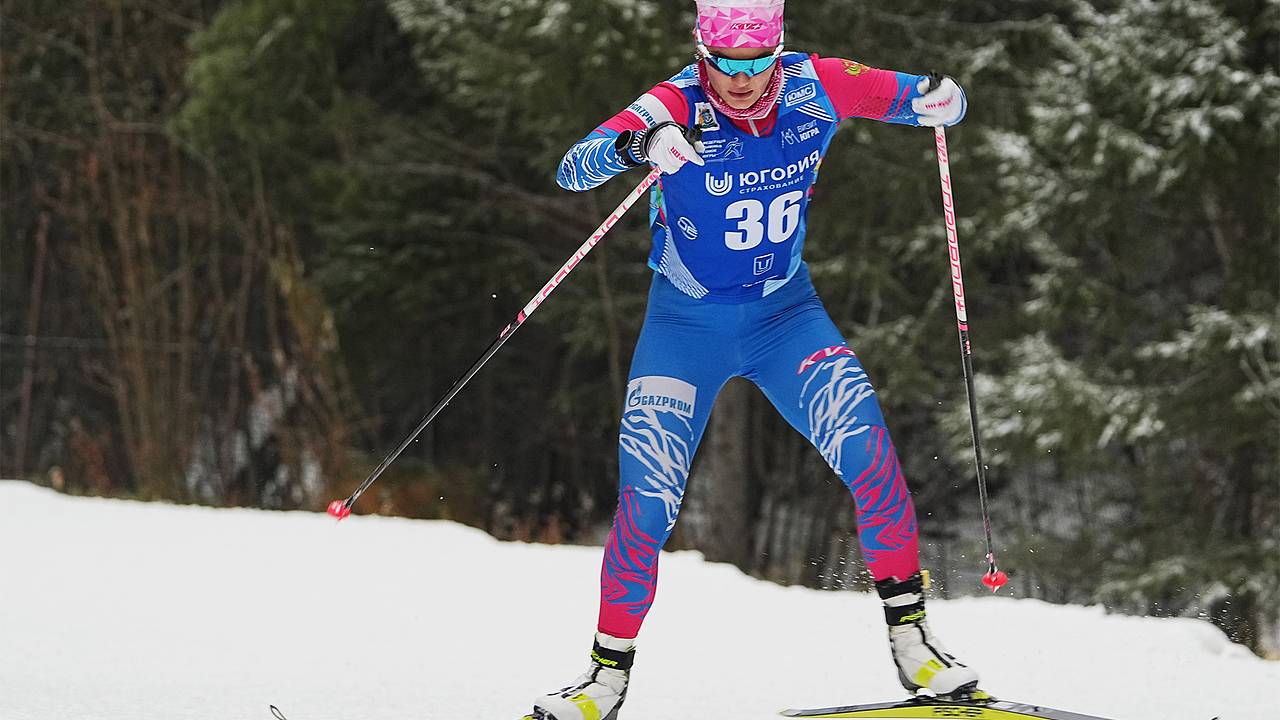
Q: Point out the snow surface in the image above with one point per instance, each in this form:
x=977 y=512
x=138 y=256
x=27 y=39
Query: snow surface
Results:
x=112 y=610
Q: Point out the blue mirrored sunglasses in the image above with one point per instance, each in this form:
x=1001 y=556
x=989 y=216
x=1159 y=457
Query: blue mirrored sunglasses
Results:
x=752 y=67
x=729 y=66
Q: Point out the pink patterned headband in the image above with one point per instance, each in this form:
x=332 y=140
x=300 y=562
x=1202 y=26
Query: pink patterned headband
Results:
x=740 y=23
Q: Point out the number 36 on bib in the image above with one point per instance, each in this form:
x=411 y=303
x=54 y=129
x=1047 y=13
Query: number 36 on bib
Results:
x=780 y=220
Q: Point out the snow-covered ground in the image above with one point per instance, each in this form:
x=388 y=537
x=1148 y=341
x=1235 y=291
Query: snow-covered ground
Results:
x=121 y=610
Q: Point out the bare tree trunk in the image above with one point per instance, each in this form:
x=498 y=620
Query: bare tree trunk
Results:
x=617 y=379
x=29 y=357
x=184 y=410
x=722 y=529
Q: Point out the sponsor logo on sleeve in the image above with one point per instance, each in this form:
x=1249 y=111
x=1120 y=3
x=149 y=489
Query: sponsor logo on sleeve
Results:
x=643 y=113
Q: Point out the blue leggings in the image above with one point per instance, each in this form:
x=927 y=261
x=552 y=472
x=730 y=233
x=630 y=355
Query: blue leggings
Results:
x=787 y=345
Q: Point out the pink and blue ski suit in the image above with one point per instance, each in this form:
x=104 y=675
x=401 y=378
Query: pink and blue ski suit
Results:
x=731 y=296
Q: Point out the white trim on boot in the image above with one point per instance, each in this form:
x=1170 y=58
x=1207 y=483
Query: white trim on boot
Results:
x=924 y=663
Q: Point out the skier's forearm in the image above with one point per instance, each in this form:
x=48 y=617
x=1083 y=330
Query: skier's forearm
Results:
x=860 y=91
x=591 y=161
x=595 y=158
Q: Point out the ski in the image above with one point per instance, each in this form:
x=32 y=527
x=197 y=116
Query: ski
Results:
x=539 y=716
x=928 y=707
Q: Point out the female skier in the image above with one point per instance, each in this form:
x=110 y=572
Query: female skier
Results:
x=731 y=296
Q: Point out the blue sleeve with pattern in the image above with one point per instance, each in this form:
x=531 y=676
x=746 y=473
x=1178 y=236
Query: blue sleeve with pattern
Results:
x=591 y=161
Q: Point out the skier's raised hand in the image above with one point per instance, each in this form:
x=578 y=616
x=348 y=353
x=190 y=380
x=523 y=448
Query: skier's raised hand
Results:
x=942 y=104
x=665 y=145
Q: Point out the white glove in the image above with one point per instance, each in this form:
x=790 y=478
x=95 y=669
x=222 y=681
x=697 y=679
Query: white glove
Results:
x=666 y=146
x=943 y=105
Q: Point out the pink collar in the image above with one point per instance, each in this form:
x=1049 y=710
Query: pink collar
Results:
x=758 y=110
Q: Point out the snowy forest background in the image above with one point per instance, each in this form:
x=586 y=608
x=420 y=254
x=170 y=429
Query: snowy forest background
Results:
x=247 y=244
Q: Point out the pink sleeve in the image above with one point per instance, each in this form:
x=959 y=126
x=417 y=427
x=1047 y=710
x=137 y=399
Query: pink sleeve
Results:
x=860 y=91
x=664 y=102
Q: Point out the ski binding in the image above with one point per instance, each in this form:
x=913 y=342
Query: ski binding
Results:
x=974 y=706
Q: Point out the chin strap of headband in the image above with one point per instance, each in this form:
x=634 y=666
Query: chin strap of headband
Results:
x=759 y=109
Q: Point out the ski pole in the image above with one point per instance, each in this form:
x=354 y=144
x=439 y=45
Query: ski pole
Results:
x=994 y=578
x=342 y=508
